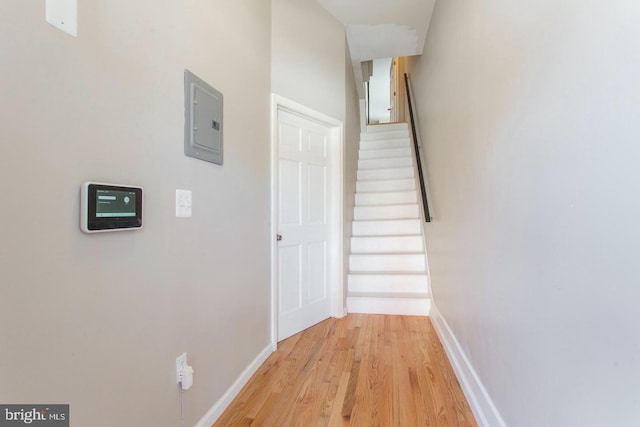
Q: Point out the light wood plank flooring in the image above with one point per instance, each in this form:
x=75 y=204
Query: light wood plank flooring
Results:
x=362 y=370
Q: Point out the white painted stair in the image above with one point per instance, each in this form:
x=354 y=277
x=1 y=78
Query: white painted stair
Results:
x=387 y=264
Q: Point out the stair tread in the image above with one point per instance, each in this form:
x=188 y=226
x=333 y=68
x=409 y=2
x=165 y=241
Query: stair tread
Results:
x=406 y=137
x=375 y=127
x=369 y=194
x=385 y=138
x=389 y=205
x=388 y=158
x=374 y=179
x=398 y=192
x=398 y=129
x=396 y=144
x=365 y=205
x=388 y=273
x=387 y=236
x=369 y=150
x=379 y=159
x=387 y=148
x=392 y=190
x=382 y=130
x=394 y=132
x=387 y=295
x=386 y=253
x=389 y=220
x=387 y=192
x=389 y=169
x=387 y=179
x=389 y=253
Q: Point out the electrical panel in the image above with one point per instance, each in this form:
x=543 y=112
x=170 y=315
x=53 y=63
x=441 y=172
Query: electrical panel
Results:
x=203 y=120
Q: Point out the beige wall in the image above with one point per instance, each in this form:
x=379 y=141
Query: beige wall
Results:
x=351 y=146
x=308 y=56
x=530 y=121
x=98 y=320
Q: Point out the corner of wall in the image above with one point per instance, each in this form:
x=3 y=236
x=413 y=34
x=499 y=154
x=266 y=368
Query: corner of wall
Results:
x=221 y=404
x=480 y=401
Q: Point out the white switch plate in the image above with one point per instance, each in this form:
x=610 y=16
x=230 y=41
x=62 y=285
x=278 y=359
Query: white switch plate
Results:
x=63 y=14
x=183 y=203
x=181 y=363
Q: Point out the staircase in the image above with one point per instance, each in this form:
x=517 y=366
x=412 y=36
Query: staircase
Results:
x=387 y=264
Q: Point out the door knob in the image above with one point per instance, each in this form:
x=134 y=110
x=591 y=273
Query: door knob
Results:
x=279 y=237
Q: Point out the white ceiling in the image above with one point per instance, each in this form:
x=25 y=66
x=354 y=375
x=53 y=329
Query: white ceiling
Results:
x=383 y=28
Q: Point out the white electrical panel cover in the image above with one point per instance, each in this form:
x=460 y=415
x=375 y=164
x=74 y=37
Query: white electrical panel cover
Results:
x=203 y=120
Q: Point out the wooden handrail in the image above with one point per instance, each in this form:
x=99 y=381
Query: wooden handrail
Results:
x=423 y=190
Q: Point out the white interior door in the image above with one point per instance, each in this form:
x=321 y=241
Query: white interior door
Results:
x=303 y=227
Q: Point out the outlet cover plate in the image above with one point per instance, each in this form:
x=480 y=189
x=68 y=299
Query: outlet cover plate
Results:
x=181 y=363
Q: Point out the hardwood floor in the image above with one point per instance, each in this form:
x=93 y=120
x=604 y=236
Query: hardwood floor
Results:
x=362 y=370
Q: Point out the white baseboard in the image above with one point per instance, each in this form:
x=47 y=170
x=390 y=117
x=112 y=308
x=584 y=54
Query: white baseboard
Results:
x=393 y=306
x=218 y=408
x=482 y=406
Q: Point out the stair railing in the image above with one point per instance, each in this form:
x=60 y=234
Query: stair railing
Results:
x=416 y=145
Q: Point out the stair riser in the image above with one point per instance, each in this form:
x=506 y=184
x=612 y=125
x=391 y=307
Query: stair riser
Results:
x=388 y=153
x=377 y=136
x=392 y=306
x=380 y=174
x=396 y=162
x=386 y=228
x=391 y=127
x=388 y=284
x=392 y=198
x=395 y=263
x=386 y=212
x=385 y=144
x=386 y=185
x=386 y=244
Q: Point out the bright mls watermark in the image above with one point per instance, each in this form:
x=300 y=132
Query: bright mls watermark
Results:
x=34 y=415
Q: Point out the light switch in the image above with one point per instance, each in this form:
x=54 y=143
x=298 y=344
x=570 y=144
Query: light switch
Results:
x=63 y=14
x=183 y=203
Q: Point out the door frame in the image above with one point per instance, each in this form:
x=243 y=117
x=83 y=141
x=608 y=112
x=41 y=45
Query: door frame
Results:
x=336 y=210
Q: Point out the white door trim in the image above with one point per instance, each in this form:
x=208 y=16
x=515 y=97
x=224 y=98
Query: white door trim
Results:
x=336 y=223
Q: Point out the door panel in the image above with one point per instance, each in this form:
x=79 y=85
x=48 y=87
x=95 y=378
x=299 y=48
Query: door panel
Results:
x=303 y=193
x=290 y=180
x=317 y=194
x=290 y=261
x=317 y=271
x=290 y=139
x=317 y=145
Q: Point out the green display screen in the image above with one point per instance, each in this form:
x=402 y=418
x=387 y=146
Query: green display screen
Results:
x=115 y=204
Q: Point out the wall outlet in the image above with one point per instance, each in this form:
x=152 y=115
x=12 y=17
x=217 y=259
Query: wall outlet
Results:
x=181 y=364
